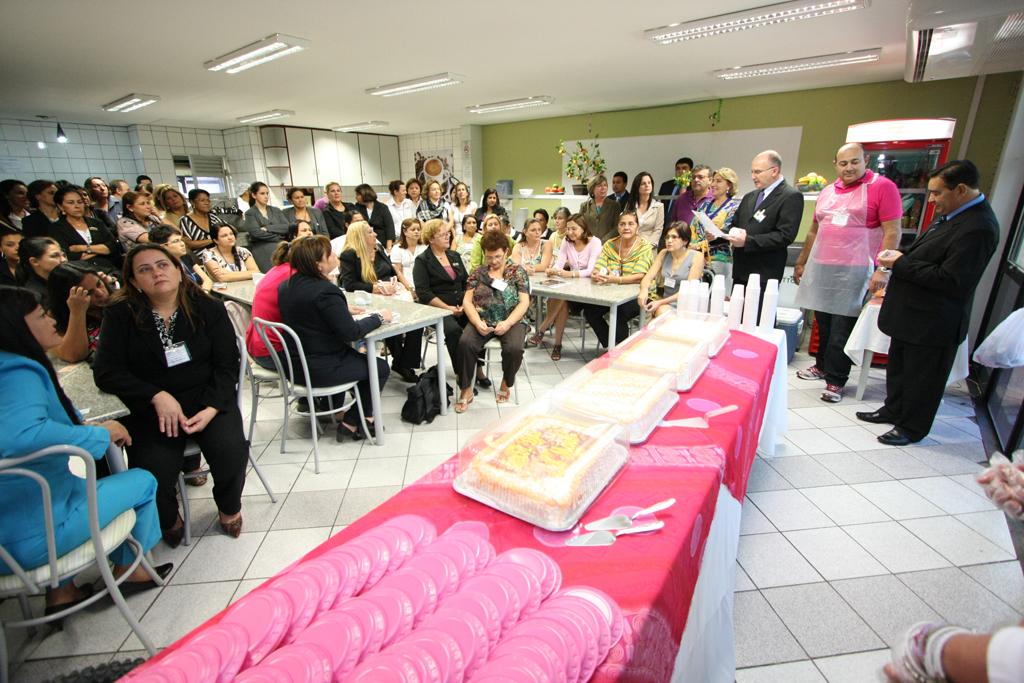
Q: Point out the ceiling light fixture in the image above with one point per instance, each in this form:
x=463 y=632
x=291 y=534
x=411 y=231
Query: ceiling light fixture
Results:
x=265 y=116
x=41 y=145
x=364 y=125
x=511 y=105
x=795 y=65
x=758 y=17
x=61 y=137
x=416 y=85
x=130 y=103
x=272 y=47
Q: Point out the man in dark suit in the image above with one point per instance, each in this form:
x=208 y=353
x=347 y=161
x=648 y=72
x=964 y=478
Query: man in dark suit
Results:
x=620 y=191
x=669 y=188
x=927 y=304
x=765 y=223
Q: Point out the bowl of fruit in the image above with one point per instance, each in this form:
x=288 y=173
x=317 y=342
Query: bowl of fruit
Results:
x=554 y=189
x=812 y=182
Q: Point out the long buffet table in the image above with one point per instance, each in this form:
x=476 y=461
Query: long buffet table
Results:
x=674 y=586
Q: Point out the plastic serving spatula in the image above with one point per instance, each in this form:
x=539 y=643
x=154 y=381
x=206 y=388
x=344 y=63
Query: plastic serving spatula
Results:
x=616 y=522
x=598 y=538
x=700 y=422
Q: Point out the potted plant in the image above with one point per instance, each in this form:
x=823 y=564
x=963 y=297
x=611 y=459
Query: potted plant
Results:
x=584 y=163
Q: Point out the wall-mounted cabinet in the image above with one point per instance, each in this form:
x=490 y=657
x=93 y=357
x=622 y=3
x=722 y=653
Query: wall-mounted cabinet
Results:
x=390 y=165
x=369 y=158
x=348 y=159
x=300 y=152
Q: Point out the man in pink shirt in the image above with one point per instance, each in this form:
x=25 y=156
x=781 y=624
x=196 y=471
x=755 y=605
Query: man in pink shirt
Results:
x=855 y=218
x=683 y=208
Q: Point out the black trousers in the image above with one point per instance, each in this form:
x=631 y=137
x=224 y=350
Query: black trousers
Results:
x=352 y=367
x=471 y=345
x=223 y=444
x=833 y=333
x=915 y=380
x=594 y=315
x=405 y=350
x=453 y=326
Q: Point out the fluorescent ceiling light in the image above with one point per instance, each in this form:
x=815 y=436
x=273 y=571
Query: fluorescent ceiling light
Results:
x=758 y=17
x=416 y=85
x=131 y=103
x=510 y=105
x=365 y=125
x=795 y=65
x=265 y=116
x=272 y=47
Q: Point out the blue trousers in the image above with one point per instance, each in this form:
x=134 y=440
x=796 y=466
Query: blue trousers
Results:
x=114 y=494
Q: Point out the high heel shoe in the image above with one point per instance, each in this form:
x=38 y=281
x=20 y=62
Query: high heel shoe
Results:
x=173 y=537
x=232 y=528
x=346 y=434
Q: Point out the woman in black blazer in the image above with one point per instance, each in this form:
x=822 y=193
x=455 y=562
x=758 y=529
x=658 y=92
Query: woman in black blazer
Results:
x=266 y=225
x=99 y=247
x=316 y=309
x=376 y=214
x=440 y=280
x=361 y=247
x=300 y=211
x=167 y=350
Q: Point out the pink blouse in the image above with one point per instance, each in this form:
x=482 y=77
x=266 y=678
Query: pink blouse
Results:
x=580 y=261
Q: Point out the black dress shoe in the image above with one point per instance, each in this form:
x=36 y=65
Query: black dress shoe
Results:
x=875 y=417
x=346 y=434
x=483 y=382
x=132 y=587
x=407 y=374
x=896 y=437
x=87 y=589
x=173 y=537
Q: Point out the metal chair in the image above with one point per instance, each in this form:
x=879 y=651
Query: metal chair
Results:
x=292 y=390
x=26 y=581
x=258 y=375
x=492 y=345
x=192 y=448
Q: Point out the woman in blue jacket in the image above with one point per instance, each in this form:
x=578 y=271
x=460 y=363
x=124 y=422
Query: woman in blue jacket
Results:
x=36 y=415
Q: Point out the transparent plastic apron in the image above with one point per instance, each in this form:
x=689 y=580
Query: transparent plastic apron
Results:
x=842 y=257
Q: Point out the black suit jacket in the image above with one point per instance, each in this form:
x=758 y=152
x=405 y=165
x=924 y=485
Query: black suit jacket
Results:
x=430 y=279
x=765 y=250
x=67 y=236
x=380 y=220
x=351 y=267
x=931 y=289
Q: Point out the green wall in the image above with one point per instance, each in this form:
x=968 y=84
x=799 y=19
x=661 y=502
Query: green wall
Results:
x=525 y=151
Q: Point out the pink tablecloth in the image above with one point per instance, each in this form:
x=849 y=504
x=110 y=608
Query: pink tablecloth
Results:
x=652 y=577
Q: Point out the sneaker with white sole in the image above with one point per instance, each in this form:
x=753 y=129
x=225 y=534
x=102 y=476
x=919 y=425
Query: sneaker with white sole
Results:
x=833 y=393
x=813 y=372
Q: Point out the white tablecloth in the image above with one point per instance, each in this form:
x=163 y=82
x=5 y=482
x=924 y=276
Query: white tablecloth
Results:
x=776 y=420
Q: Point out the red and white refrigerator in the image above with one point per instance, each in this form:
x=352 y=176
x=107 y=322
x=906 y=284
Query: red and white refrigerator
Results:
x=906 y=151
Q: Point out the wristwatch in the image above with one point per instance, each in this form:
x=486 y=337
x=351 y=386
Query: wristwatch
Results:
x=88 y=250
x=883 y=269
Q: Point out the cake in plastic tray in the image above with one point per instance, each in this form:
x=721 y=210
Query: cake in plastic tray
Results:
x=545 y=469
x=634 y=397
x=685 y=360
x=693 y=328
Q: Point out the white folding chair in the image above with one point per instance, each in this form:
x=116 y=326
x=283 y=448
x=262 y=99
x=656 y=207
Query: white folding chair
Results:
x=294 y=387
x=27 y=581
x=192 y=448
x=258 y=375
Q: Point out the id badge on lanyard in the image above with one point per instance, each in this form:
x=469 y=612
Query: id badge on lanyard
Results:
x=177 y=354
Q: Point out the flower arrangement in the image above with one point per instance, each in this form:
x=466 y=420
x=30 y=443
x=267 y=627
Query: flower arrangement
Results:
x=683 y=180
x=585 y=162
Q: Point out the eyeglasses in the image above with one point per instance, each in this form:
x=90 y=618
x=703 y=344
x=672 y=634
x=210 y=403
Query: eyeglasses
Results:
x=759 y=171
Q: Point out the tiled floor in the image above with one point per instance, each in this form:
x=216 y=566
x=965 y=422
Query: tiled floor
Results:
x=844 y=542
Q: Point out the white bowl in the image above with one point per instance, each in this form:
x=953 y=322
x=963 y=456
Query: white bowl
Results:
x=526 y=192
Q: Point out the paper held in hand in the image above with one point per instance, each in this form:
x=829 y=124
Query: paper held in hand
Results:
x=709 y=227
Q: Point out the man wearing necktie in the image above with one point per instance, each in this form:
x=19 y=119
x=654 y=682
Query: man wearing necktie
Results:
x=765 y=223
x=927 y=306
x=670 y=188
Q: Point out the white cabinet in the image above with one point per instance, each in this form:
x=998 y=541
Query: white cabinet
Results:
x=369 y=158
x=390 y=167
x=300 y=153
x=325 y=147
x=348 y=159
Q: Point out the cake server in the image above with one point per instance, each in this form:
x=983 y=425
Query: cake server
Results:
x=616 y=522
x=700 y=422
x=599 y=538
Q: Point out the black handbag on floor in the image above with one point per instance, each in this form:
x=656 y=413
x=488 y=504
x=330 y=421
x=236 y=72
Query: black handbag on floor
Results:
x=424 y=401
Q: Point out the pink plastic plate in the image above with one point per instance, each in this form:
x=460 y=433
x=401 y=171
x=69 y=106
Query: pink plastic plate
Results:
x=427 y=668
x=459 y=551
x=525 y=583
x=232 y=643
x=483 y=551
x=356 y=563
x=472 y=526
x=501 y=592
x=418 y=586
x=581 y=621
x=400 y=544
x=441 y=568
x=546 y=569
x=442 y=647
x=558 y=637
x=468 y=632
x=260 y=674
x=327 y=577
x=304 y=592
x=586 y=650
x=513 y=668
x=420 y=529
x=380 y=557
x=398 y=612
x=537 y=648
x=341 y=635
x=371 y=621
x=385 y=668
x=609 y=609
x=265 y=614
x=306 y=662
x=593 y=616
x=198 y=663
x=480 y=606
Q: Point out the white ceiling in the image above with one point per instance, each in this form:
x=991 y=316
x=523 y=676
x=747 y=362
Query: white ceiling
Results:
x=66 y=58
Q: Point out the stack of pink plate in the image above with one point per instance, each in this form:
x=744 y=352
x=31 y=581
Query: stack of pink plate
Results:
x=400 y=603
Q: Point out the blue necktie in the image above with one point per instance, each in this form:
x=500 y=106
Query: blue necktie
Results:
x=760 y=198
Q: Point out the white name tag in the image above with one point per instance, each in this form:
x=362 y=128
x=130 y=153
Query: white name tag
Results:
x=840 y=218
x=499 y=284
x=177 y=354
x=670 y=282
x=759 y=216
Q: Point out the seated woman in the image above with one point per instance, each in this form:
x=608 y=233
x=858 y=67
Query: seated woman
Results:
x=44 y=212
x=317 y=311
x=138 y=216
x=265 y=223
x=374 y=213
x=560 y=217
x=434 y=205
x=490 y=203
x=171 y=237
x=168 y=352
x=463 y=243
x=10 y=239
x=77 y=295
x=37 y=415
x=37 y=257
x=440 y=280
x=299 y=211
x=497 y=296
x=624 y=260
x=82 y=238
x=398 y=203
x=197 y=223
x=13 y=203
x=337 y=212
x=170 y=203
x=576 y=259
x=461 y=203
x=405 y=251
x=364 y=267
x=673 y=264
x=265 y=304
x=225 y=261
x=490 y=223
x=532 y=252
